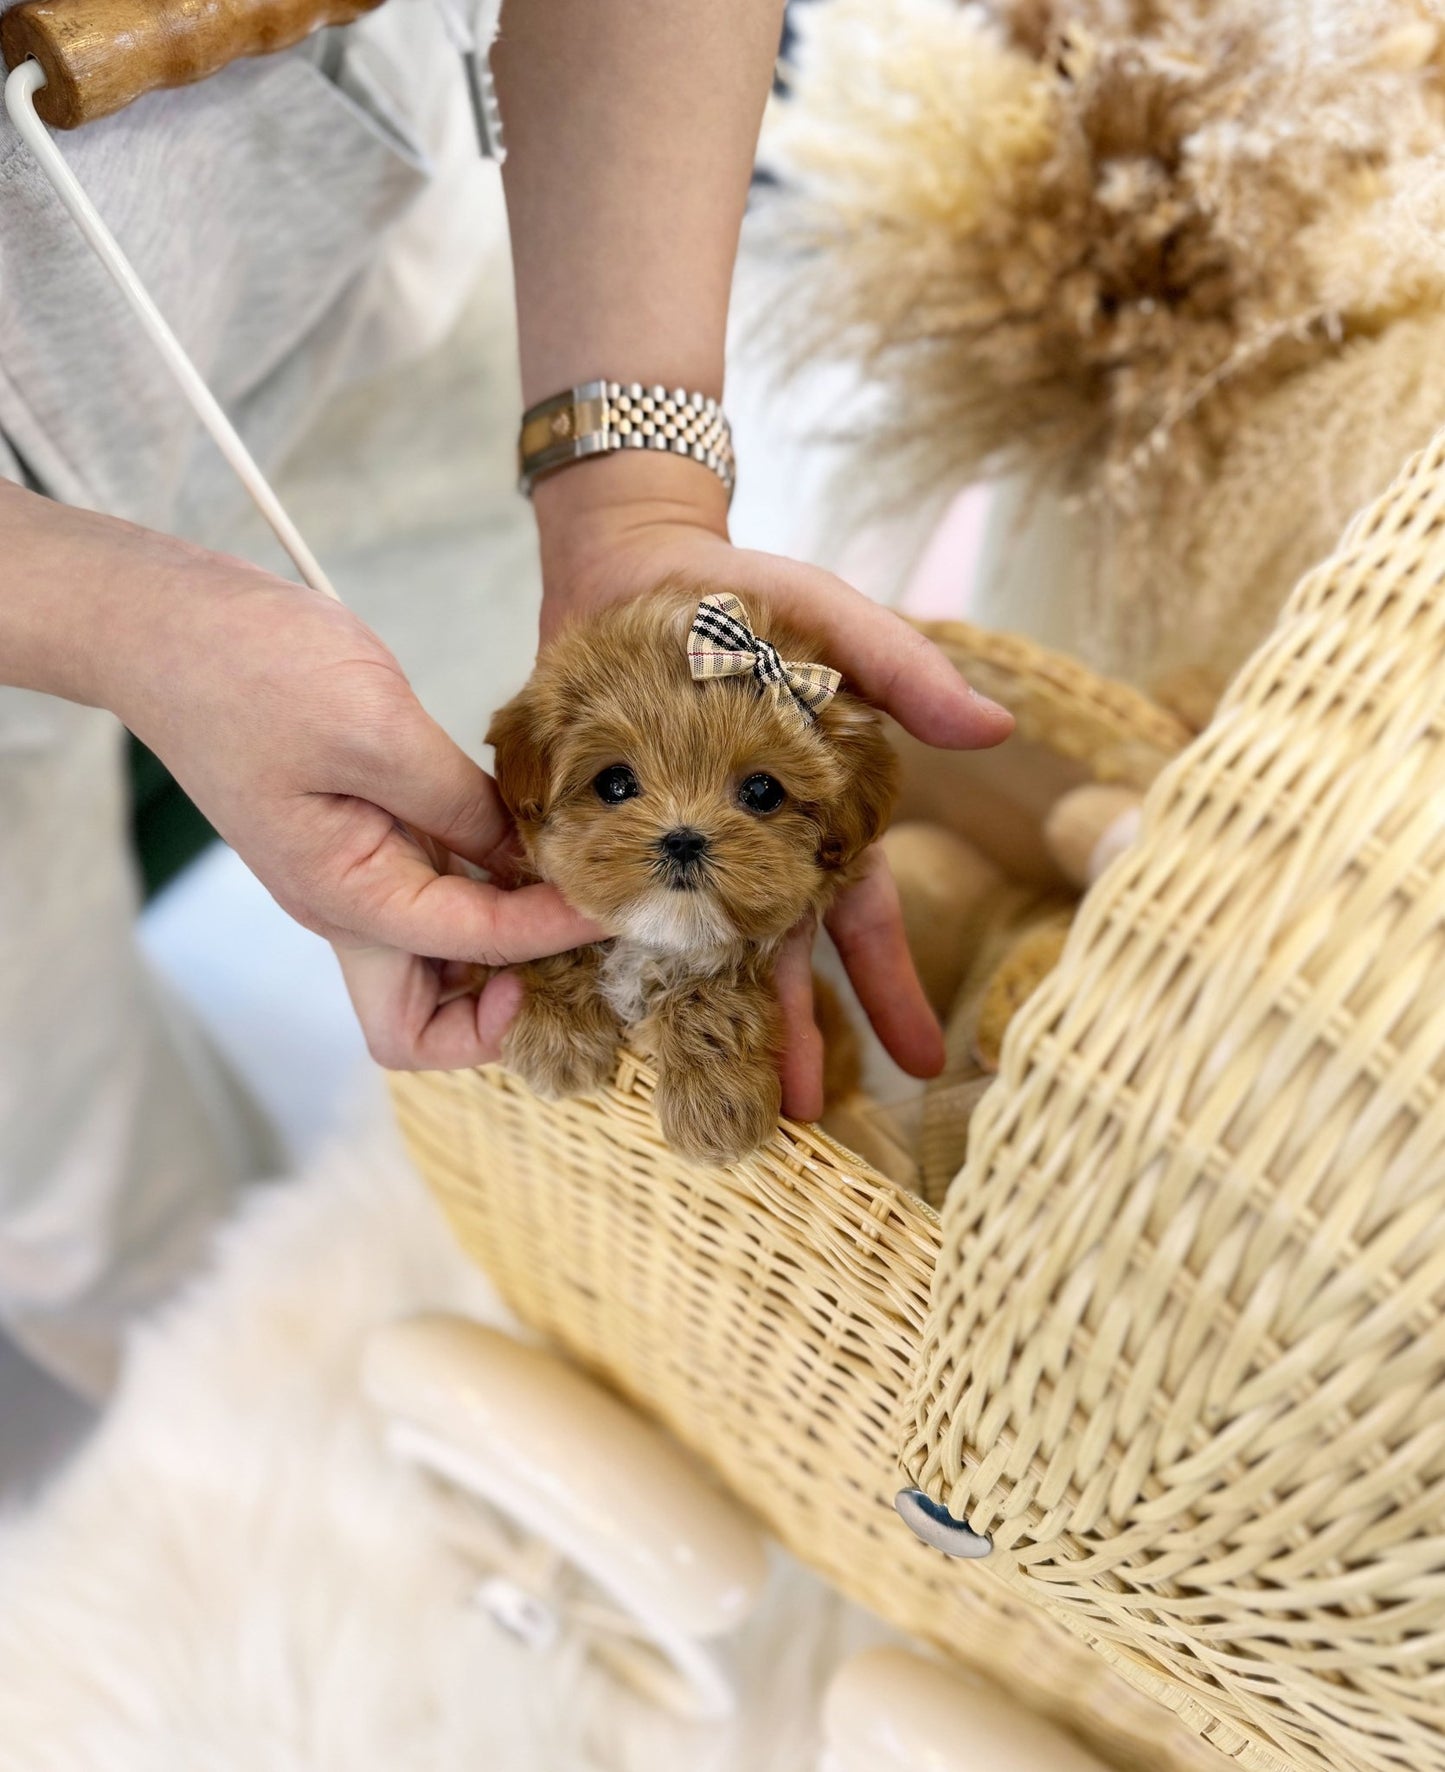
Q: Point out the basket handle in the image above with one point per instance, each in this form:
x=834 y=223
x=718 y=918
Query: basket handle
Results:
x=101 y=55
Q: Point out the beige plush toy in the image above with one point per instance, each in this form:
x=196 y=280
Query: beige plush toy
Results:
x=943 y=884
x=1015 y=935
x=1088 y=827
x=982 y=944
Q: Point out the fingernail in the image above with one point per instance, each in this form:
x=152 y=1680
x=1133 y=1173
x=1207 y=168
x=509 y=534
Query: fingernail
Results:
x=985 y=705
x=498 y=1003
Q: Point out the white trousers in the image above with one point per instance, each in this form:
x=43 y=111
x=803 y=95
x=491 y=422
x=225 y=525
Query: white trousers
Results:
x=122 y=1137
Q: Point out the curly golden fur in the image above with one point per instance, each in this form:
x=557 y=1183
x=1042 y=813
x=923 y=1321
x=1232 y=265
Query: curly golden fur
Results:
x=700 y=888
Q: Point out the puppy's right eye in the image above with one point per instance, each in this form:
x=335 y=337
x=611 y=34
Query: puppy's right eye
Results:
x=616 y=784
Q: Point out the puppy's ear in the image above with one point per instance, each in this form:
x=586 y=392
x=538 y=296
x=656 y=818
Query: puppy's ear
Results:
x=858 y=814
x=521 y=735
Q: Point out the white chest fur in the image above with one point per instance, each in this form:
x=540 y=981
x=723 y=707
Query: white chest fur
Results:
x=635 y=973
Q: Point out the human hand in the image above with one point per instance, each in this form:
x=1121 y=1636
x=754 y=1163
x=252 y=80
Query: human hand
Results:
x=294 y=730
x=619 y=527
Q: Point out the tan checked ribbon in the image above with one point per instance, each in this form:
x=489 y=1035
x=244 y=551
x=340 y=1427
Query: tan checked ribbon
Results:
x=721 y=644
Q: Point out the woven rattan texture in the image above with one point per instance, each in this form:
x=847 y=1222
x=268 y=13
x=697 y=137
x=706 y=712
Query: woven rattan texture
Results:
x=1187 y=1356
x=1118 y=733
x=770 y=1315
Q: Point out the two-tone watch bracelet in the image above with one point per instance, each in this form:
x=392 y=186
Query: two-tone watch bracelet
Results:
x=597 y=417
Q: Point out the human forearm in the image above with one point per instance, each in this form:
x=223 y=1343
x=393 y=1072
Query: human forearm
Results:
x=74 y=587
x=631 y=129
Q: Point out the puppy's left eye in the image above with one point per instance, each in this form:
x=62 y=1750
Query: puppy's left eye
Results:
x=761 y=794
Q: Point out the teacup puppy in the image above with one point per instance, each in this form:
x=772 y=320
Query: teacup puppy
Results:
x=687 y=773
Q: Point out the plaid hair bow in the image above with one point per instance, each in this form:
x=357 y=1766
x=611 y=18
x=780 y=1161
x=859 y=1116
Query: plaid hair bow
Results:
x=721 y=644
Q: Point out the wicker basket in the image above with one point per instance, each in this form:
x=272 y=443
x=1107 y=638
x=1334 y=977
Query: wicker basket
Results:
x=772 y=1315
x=1186 y=1359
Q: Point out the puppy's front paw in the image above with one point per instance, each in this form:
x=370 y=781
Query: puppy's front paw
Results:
x=562 y=1048
x=718 y=1115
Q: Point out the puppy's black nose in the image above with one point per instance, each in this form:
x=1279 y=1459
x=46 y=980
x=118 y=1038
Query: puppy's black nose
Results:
x=683 y=846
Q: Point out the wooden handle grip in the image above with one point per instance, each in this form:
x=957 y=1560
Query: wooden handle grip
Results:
x=101 y=55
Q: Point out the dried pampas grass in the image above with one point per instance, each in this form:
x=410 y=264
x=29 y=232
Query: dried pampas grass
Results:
x=1087 y=238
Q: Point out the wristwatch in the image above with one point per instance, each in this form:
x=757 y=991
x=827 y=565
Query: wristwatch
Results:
x=597 y=417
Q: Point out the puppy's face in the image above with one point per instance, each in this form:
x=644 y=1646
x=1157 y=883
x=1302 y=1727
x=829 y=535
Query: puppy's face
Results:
x=685 y=815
